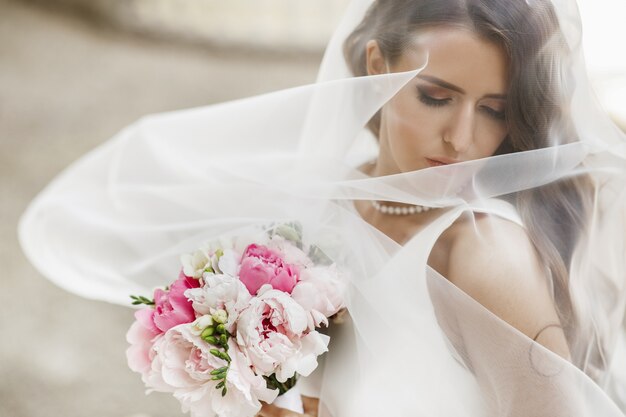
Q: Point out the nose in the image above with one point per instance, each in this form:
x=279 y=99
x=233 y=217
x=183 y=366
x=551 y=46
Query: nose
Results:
x=459 y=132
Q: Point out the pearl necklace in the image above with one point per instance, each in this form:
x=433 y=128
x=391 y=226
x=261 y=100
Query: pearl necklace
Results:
x=399 y=211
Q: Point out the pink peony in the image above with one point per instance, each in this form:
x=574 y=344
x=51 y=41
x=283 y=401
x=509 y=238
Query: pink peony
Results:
x=261 y=265
x=141 y=335
x=272 y=332
x=173 y=307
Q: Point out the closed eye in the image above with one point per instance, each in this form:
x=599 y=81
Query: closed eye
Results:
x=495 y=114
x=430 y=100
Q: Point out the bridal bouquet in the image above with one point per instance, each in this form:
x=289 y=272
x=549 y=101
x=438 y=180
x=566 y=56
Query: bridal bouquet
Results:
x=238 y=325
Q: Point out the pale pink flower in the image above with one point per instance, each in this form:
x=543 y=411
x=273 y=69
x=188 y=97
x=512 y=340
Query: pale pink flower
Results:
x=182 y=365
x=272 y=333
x=261 y=265
x=141 y=336
x=290 y=253
x=320 y=292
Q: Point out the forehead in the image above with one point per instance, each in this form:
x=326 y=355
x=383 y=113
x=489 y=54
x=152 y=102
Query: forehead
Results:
x=459 y=56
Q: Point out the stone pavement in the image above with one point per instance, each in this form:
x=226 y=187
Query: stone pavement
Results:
x=66 y=85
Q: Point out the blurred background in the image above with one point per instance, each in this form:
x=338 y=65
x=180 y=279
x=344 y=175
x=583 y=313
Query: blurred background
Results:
x=72 y=74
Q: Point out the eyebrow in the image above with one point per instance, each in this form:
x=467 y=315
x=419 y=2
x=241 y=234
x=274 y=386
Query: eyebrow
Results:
x=447 y=85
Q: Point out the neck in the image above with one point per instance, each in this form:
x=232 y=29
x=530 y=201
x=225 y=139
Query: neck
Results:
x=380 y=169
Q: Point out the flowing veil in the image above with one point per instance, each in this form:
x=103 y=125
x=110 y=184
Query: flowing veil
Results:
x=115 y=223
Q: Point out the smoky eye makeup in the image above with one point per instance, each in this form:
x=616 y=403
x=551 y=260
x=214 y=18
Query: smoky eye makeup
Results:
x=430 y=98
x=495 y=111
x=496 y=114
x=434 y=98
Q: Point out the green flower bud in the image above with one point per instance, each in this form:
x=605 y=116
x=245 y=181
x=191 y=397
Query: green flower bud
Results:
x=207 y=332
x=220 y=328
x=224 y=391
x=224 y=340
x=211 y=339
x=221 y=355
x=219 y=370
x=220 y=385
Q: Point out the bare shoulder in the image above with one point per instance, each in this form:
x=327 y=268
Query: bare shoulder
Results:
x=494 y=261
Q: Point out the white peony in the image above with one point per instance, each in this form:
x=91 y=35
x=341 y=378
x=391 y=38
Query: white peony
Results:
x=273 y=333
x=320 y=292
x=182 y=365
x=223 y=292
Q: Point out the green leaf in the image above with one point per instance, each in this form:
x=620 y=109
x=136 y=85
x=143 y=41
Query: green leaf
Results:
x=318 y=256
x=288 y=232
x=282 y=387
x=138 y=299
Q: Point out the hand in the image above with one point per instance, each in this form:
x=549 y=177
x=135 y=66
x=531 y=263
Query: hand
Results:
x=310 y=409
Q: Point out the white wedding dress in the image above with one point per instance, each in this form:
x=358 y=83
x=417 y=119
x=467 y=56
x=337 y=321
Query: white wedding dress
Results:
x=116 y=222
x=444 y=354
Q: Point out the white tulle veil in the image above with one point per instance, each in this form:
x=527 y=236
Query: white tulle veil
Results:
x=116 y=222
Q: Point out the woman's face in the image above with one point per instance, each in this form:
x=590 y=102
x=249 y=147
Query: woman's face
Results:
x=453 y=110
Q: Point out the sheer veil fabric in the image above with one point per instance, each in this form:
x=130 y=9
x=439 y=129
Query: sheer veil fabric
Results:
x=116 y=221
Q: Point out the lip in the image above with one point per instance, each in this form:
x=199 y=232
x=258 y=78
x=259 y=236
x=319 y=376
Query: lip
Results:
x=441 y=160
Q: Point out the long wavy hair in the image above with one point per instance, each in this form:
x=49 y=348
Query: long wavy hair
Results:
x=555 y=214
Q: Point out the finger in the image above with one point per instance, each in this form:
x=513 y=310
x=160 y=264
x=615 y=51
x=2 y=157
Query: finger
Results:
x=265 y=411
x=310 y=405
x=270 y=410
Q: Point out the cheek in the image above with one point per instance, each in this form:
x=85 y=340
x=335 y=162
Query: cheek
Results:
x=408 y=126
x=490 y=135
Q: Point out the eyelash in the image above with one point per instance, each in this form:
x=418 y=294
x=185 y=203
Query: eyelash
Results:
x=431 y=101
x=435 y=102
x=498 y=115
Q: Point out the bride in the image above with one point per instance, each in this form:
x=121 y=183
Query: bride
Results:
x=451 y=157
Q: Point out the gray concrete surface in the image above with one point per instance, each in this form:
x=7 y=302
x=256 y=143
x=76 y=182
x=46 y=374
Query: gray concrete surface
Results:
x=65 y=87
x=261 y=24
